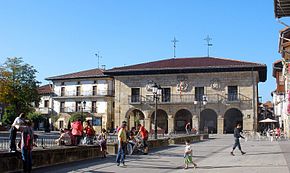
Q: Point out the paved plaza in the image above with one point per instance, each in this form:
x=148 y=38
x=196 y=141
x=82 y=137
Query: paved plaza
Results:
x=211 y=156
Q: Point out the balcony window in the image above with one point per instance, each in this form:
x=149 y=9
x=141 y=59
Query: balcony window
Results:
x=94 y=90
x=199 y=92
x=62 y=104
x=232 y=93
x=62 y=92
x=46 y=103
x=166 y=94
x=78 y=91
x=94 y=106
x=78 y=106
x=135 y=95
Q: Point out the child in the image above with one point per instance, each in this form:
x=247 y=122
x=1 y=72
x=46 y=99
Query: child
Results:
x=188 y=155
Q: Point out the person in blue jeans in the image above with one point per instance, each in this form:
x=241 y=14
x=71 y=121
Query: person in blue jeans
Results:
x=237 y=135
x=26 y=145
x=122 y=143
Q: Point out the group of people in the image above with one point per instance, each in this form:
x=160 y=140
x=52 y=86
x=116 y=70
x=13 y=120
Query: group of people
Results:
x=78 y=133
x=27 y=140
x=124 y=136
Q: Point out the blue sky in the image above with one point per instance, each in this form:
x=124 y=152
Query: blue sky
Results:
x=59 y=37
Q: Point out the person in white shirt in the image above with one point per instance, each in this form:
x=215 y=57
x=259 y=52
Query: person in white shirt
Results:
x=188 y=155
x=20 y=120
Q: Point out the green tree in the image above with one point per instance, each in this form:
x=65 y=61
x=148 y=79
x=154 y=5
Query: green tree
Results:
x=36 y=118
x=18 y=88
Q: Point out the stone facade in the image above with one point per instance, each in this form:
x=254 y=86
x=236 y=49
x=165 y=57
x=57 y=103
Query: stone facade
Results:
x=180 y=101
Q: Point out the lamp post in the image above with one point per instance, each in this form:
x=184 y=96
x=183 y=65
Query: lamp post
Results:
x=202 y=102
x=156 y=93
x=83 y=106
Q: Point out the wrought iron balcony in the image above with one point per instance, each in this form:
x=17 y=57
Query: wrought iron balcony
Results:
x=74 y=94
x=187 y=98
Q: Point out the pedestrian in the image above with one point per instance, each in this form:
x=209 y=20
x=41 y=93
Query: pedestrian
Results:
x=26 y=145
x=144 y=135
x=122 y=143
x=188 y=155
x=89 y=132
x=20 y=120
x=77 y=130
x=187 y=128
x=64 y=138
x=237 y=135
x=102 y=140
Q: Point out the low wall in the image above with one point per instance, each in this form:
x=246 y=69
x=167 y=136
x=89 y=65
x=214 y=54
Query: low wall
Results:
x=10 y=162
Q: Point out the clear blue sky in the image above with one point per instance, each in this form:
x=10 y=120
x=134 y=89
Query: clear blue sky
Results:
x=59 y=37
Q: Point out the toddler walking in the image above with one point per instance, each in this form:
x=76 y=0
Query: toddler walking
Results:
x=188 y=155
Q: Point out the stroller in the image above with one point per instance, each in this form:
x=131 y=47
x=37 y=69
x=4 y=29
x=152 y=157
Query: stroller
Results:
x=135 y=146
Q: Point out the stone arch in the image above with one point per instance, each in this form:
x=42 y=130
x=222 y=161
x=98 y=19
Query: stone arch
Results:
x=231 y=117
x=162 y=121
x=182 y=117
x=134 y=117
x=208 y=121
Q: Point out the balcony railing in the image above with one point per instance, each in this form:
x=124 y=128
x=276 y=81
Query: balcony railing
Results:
x=87 y=93
x=185 y=98
x=43 y=110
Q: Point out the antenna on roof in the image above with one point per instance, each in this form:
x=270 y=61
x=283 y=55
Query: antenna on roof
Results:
x=98 y=56
x=208 y=39
x=174 y=46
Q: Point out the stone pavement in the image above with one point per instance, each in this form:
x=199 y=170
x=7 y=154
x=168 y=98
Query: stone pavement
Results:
x=211 y=156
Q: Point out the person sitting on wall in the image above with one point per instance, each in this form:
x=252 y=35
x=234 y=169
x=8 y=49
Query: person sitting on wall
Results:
x=64 y=138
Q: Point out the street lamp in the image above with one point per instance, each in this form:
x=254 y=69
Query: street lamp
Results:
x=202 y=102
x=156 y=93
x=83 y=106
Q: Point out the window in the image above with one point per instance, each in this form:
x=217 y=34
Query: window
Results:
x=94 y=106
x=166 y=94
x=62 y=106
x=78 y=92
x=46 y=103
x=60 y=124
x=199 y=92
x=62 y=92
x=79 y=83
x=62 y=83
x=78 y=106
x=232 y=93
x=135 y=95
x=94 y=90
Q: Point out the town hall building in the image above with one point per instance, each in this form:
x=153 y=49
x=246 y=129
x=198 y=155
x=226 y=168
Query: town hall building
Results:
x=212 y=94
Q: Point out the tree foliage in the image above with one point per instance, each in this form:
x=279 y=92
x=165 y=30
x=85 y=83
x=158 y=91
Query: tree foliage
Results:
x=18 y=88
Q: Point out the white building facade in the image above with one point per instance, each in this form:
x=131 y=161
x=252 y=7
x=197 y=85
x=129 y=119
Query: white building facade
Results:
x=90 y=93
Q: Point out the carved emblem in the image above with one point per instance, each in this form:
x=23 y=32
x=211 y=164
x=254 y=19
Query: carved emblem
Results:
x=149 y=85
x=182 y=86
x=215 y=84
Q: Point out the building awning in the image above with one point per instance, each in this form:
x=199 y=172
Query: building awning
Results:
x=282 y=8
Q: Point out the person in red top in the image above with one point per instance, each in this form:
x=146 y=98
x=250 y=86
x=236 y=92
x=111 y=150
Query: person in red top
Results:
x=77 y=130
x=89 y=132
x=144 y=135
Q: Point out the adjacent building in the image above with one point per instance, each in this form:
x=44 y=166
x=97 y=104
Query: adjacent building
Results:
x=88 y=92
x=213 y=94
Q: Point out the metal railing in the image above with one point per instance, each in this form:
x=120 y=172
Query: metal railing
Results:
x=41 y=142
x=182 y=98
x=74 y=93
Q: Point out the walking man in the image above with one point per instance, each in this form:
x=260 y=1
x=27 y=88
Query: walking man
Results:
x=237 y=135
x=20 y=120
x=122 y=140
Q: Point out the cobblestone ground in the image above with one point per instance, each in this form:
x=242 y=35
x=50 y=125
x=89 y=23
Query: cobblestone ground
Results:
x=211 y=156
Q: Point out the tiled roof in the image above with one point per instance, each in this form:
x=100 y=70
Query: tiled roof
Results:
x=282 y=8
x=82 y=74
x=45 y=89
x=191 y=65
